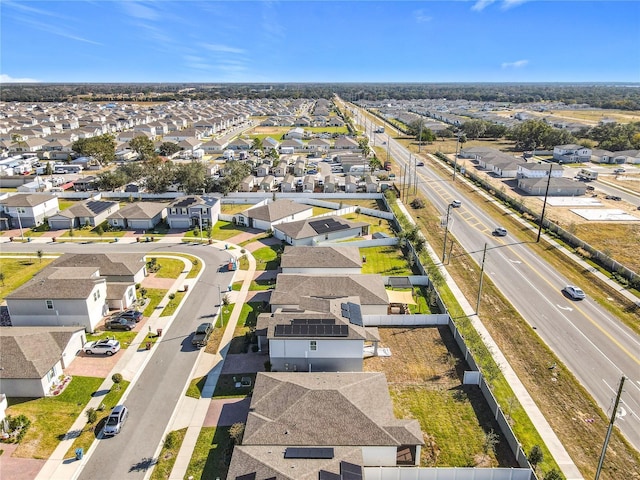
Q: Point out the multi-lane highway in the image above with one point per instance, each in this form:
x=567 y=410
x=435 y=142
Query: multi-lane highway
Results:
x=596 y=347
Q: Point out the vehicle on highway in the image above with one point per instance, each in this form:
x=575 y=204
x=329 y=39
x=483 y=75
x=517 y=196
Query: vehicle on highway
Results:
x=115 y=420
x=120 y=324
x=456 y=203
x=499 y=232
x=574 y=292
x=105 y=346
x=420 y=164
x=202 y=334
x=613 y=197
x=130 y=314
x=619 y=170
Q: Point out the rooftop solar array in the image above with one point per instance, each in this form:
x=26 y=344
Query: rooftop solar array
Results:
x=248 y=476
x=313 y=321
x=350 y=471
x=318 y=330
x=308 y=452
x=185 y=202
x=98 y=207
x=327 y=225
x=324 y=475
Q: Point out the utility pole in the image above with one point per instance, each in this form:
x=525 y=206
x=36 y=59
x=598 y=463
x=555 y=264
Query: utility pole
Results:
x=420 y=137
x=484 y=256
x=611 y=422
x=544 y=205
x=455 y=158
x=446 y=231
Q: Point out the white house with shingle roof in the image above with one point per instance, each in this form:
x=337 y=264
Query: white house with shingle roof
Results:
x=329 y=260
x=28 y=209
x=265 y=217
x=293 y=415
x=139 y=216
x=34 y=358
x=323 y=229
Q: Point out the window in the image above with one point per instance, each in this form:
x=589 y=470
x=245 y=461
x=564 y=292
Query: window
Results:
x=21 y=210
x=173 y=211
x=183 y=211
x=313 y=346
x=95 y=297
x=49 y=304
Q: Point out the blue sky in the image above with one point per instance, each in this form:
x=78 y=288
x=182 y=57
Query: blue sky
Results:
x=320 y=41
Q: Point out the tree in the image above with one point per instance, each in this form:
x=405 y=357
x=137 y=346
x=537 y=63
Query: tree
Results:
x=167 y=149
x=101 y=149
x=491 y=439
x=99 y=230
x=553 y=474
x=143 y=146
x=363 y=144
x=474 y=128
x=159 y=175
x=40 y=253
x=236 y=432
x=191 y=176
x=48 y=169
x=257 y=144
x=535 y=456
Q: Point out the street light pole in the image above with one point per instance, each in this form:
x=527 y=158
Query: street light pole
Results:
x=455 y=158
x=544 y=205
x=484 y=256
x=446 y=231
x=611 y=422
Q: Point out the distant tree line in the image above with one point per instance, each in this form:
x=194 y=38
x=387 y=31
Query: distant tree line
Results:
x=612 y=96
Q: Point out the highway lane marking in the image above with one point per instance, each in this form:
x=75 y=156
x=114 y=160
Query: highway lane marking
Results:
x=564 y=308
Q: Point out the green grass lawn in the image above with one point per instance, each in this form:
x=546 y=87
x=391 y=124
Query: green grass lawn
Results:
x=211 y=454
x=154 y=295
x=64 y=204
x=219 y=327
x=256 y=285
x=89 y=433
x=51 y=417
x=125 y=338
x=321 y=210
x=233 y=208
x=18 y=271
x=244 y=263
x=226 y=385
x=168 y=454
x=267 y=258
x=194 y=390
x=91 y=232
x=173 y=304
x=387 y=260
x=169 y=267
x=246 y=323
x=224 y=230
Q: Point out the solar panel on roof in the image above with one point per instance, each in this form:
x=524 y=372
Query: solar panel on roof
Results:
x=327 y=225
x=248 y=476
x=324 y=475
x=350 y=471
x=98 y=207
x=185 y=202
x=313 y=321
x=311 y=330
x=308 y=452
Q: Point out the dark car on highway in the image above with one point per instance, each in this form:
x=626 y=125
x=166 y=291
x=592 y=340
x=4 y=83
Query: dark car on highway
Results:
x=120 y=324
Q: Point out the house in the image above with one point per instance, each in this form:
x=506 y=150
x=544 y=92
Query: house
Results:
x=297 y=133
x=627 y=156
x=291 y=145
x=323 y=229
x=371 y=184
x=350 y=184
x=87 y=213
x=602 y=156
x=288 y=184
x=539 y=170
x=27 y=209
x=319 y=145
x=330 y=184
x=85 y=184
x=292 y=288
x=476 y=153
x=35 y=186
x=282 y=169
x=558 y=186
x=265 y=217
x=214 y=146
x=262 y=170
x=322 y=335
x=268 y=183
x=139 y=216
x=59 y=296
x=193 y=211
x=321 y=260
x=335 y=121
x=240 y=144
x=345 y=143
x=269 y=143
x=247 y=184
x=322 y=425
x=308 y=183
x=353 y=161
x=571 y=153
x=299 y=168
x=34 y=358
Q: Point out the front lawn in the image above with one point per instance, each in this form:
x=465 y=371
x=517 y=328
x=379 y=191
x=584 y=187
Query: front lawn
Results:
x=387 y=260
x=86 y=436
x=224 y=230
x=173 y=304
x=211 y=454
x=154 y=295
x=51 y=417
x=169 y=267
x=267 y=257
x=168 y=454
x=218 y=330
x=226 y=385
x=125 y=338
x=246 y=323
x=18 y=271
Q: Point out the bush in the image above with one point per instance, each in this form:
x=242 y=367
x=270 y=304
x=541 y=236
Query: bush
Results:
x=171 y=441
x=417 y=203
x=116 y=378
x=17 y=427
x=92 y=415
x=172 y=296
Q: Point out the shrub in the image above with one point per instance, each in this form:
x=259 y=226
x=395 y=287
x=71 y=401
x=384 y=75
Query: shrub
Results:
x=92 y=415
x=172 y=440
x=236 y=432
x=172 y=296
x=116 y=378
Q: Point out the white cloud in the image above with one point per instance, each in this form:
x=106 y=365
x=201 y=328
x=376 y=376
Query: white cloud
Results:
x=222 y=48
x=138 y=10
x=506 y=4
x=4 y=78
x=421 y=17
x=480 y=5
x=516 y=64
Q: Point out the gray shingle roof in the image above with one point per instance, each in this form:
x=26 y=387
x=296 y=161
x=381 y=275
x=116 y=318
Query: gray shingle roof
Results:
x=321 y=257
x=139 y=210
x=59 y=283
x=276 y=210
x=30 y=352
x=291 y=287
x=325 y=409
x=303 y=229
x=109 y=264
x=26 y=199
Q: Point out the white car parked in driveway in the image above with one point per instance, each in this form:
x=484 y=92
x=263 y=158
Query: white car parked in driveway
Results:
x=102 y=347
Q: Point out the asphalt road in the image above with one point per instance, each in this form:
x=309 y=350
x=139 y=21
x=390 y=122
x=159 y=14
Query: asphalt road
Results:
x=153 y=397
x=597 y=348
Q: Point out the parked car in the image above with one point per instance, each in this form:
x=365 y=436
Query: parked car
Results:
x=613 y=197
x=591 y=188
x=130 y=314
x=120 y=324
x=574 y=292
x=456 y=203
x=619 y=170
x=116 y=419
x=102 y=347
x=499 y=232
x=202 y=334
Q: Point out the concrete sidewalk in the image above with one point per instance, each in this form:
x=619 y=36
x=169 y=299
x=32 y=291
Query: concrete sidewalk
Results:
x=560 y=455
